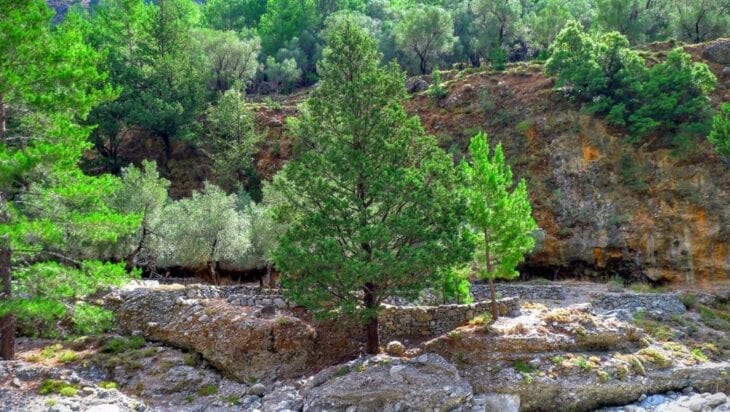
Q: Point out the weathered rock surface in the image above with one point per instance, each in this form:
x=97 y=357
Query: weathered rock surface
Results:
x=718 y=51
x=570 y=360
x=230 y=337
x=687 y=401
x=387 y=384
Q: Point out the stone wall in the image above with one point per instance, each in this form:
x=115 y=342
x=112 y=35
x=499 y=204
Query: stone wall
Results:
x=660 y=305
x=411 y=321
x=526 y=292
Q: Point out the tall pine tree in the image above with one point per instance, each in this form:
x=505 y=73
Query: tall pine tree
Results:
x=369 y=200
x=50 y=212
x=499 y=212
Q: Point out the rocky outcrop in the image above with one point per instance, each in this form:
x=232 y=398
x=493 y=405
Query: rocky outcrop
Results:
x=571 y=360
x=718 y=52
x=661 y=306
x=389 y=384
x=235 y=339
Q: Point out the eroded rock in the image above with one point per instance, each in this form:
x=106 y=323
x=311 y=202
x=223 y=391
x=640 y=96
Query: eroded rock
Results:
x=383 y=383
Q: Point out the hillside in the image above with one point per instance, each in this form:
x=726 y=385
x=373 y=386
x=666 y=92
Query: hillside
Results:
x=606 y=207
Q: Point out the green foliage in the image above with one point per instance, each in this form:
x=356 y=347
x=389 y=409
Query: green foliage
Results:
x=121 y=344
x=670 y=96
x=720 y=134
x=208 y=390
x=91 y=320
x=699 y=355
x=498 y=210
x=68 y=356
x=425 y=32
x=454 y=284
x=437 y=90
x=233 y=15
x=230 y=60
x=108 y=385
x=50 y=386
x=282 y=75
x=522 y=366
x=231 y=140
x=498 y=59
x=285 y=20
x=368 y=198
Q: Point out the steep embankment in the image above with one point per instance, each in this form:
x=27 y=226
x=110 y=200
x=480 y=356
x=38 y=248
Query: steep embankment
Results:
x=606 y=207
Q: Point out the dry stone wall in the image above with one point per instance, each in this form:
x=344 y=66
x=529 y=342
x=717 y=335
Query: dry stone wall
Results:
x=413 y=321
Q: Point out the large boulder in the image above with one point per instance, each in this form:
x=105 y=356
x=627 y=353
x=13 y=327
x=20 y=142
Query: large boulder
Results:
x=235 y=339
x=384 y=383
x=718 y=52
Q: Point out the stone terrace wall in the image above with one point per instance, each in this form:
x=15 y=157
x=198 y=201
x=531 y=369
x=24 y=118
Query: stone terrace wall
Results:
x=411 y=321
x=527 y=292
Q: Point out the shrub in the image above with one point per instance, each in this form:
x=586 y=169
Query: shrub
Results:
x=437 y=90
x=523 y=367
x=720 y=133
x=481 y=320
x=68 y=391
x=208 y=390
x=121 y=344
x=655 y=356
x=671 y=96
x=67 y=356
x=699 y=355
x=91 y=320
x=108 y=385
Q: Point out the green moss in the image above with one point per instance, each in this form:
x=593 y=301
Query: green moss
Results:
x=654 y=356
x=50 y=351
x=192 y=359
x=120 y=344
x=342 y=371
x=522 y=366
x=603 y=376
x=233 y=399
x=68 y=356
x=208 y=390
x=50 y=386
x=68 y=391
x=557 y=360
x=699 y=355
x=108 y=385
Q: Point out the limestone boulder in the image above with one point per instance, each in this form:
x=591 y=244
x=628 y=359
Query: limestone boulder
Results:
x=234 y=339
x=718 y=51
x=384 y=383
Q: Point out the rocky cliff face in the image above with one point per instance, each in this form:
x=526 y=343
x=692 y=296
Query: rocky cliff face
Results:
x=605 y=206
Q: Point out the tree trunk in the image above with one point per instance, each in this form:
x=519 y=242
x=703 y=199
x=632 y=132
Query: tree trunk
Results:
x=213 y=273
x=490 y=276
x=7 y=323
x=373 y=345
x=2 y=118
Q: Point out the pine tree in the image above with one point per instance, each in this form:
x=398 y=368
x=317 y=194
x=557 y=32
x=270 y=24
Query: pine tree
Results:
x=369 y=198
x=499 y=211
x=50 y=211
x=720 y=134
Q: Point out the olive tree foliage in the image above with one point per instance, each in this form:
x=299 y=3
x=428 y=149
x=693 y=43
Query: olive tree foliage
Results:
x=426 y=33
x=231 y=140
x=498 y=24
x=204 y=229
x=230 y=60
x=700 y=20
x=546 y=23
x=639 y=20
x=143 y=192
x=369 y=200
x=282 y=75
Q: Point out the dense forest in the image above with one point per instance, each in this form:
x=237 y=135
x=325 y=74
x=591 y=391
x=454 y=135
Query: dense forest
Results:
x=368 y=206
